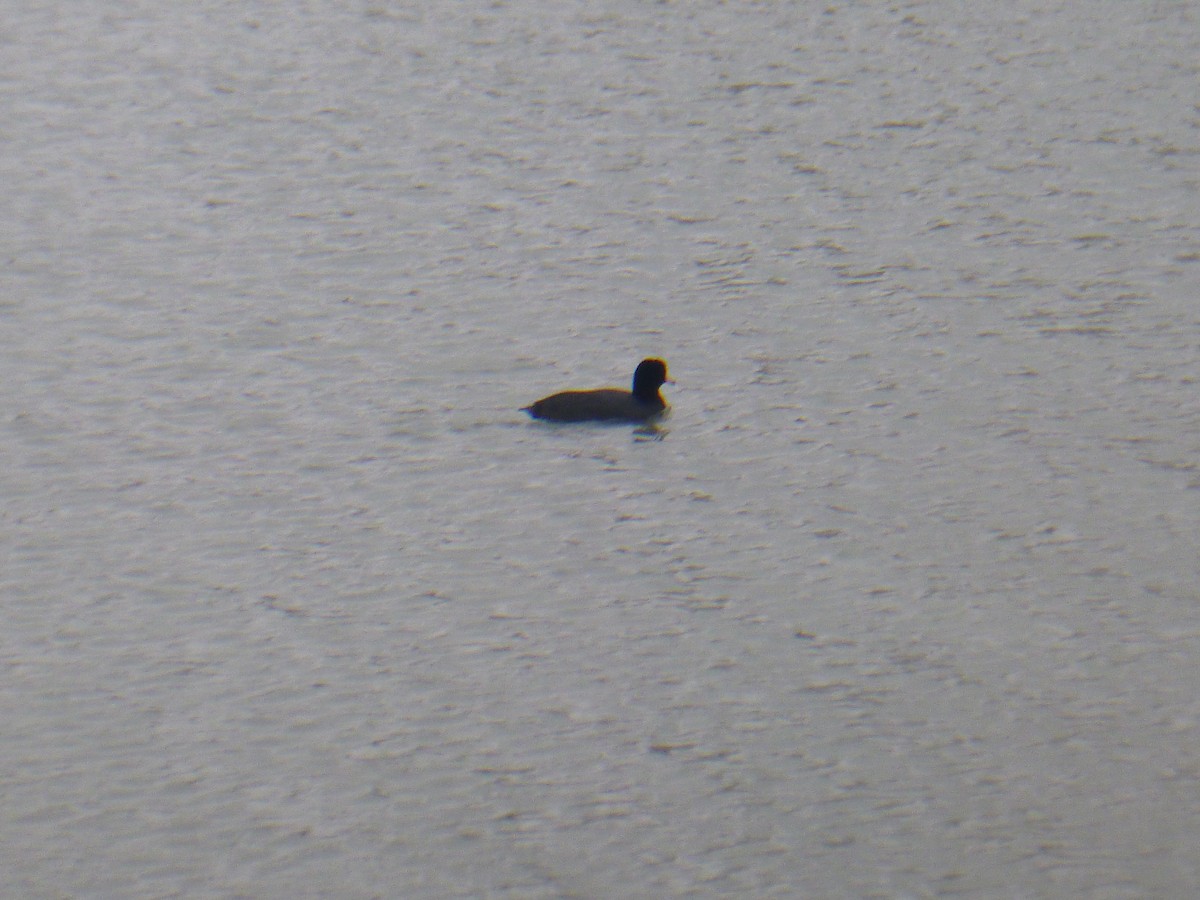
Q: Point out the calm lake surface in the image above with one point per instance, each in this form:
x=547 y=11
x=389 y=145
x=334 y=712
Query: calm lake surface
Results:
x=901 y=601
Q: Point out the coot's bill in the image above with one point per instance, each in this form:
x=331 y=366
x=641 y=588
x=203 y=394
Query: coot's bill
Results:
x=643 y=404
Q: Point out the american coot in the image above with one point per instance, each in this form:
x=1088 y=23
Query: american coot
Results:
x=643 y=404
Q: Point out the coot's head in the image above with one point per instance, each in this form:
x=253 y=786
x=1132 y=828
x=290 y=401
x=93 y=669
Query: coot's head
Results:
x=648 y=377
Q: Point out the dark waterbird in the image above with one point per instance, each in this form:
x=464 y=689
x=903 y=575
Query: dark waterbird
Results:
x=643 y=404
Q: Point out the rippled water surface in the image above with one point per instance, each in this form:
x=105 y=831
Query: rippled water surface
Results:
x=901 y=601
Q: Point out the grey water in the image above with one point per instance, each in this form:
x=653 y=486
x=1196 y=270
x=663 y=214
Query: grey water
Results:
x=901 y=601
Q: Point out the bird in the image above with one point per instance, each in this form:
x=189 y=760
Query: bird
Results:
x=643 y=404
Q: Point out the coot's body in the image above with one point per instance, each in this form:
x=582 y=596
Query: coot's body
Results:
x=643 y=404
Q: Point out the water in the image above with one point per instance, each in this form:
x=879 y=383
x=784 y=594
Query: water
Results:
x=901 y=603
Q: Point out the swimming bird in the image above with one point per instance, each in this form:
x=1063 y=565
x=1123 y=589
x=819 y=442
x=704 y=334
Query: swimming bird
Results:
x=643 y=404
